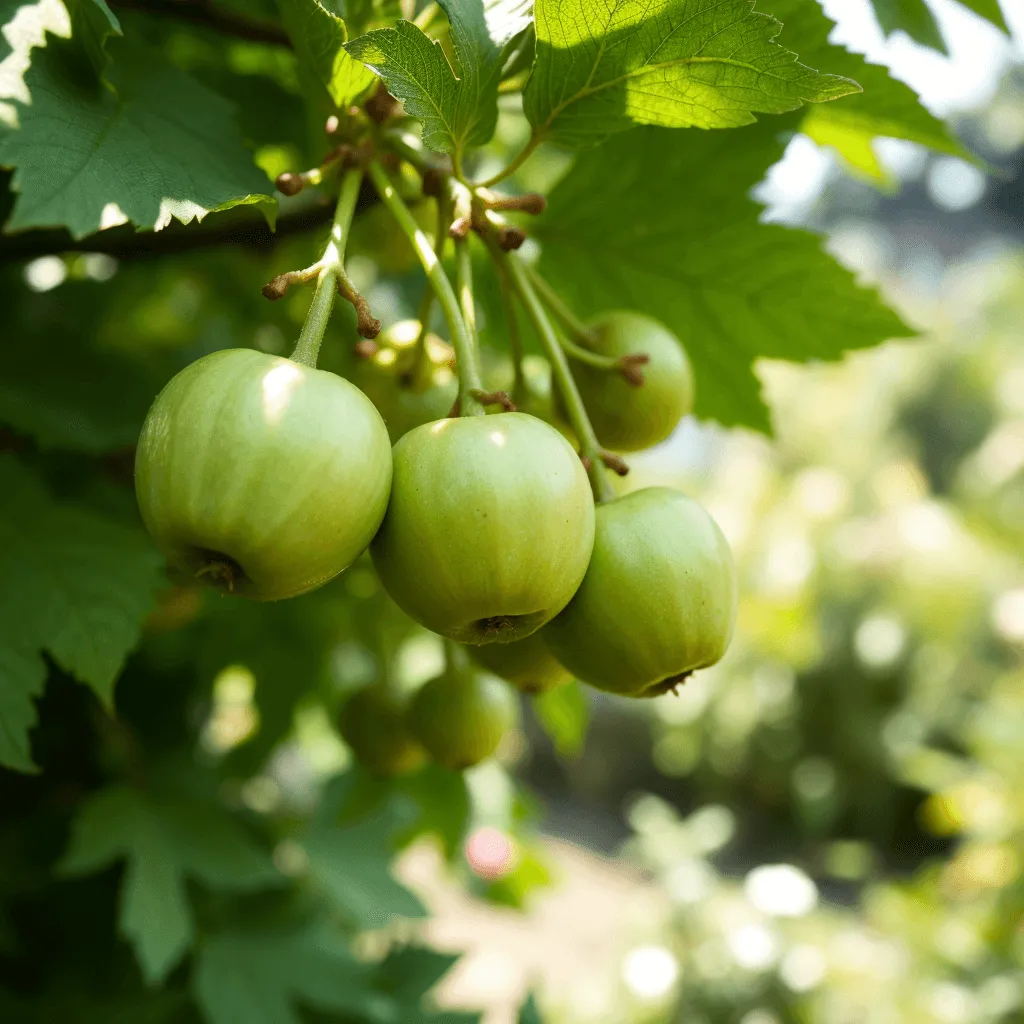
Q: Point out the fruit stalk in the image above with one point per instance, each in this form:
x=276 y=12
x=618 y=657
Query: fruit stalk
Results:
x=462 y=340
x=444 y=219
x=331 y=273
x=590 y=448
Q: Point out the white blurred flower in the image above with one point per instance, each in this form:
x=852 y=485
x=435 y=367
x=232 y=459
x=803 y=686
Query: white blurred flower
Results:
x=1008 y=615
x=650 y=971
x=879 y=640
x=781 y=890
x=691 y=881
x=754 y=947
x=803 y=968
x=45 y=273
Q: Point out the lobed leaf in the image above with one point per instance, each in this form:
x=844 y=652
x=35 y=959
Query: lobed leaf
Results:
x=318 y=36
x=164 y=843
x=72 y=584
x=687 y=246
x=164 y=146
x=886 y=107
x=600 y=69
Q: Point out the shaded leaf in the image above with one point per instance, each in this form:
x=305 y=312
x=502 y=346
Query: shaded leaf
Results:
x=686 y=246
x=163 y=147
x=260 y=977
x=22 y=677
x=71 y=583
x=92 y=24
x=163 y=843
x=676 y=63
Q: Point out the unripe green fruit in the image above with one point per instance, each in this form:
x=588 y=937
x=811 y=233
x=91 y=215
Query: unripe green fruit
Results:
x=260 y=475
x=461 y=717
x=658 y=601
x=527 y=663
x=625 y=417
x=407 y=391
x=489 y=529
x=375 y=724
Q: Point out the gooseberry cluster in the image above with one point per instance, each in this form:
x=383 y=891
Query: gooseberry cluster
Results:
x=489 y=517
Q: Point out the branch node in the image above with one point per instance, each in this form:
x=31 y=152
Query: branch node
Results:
x=277 y=288
x=460 y=228
x=367 y=325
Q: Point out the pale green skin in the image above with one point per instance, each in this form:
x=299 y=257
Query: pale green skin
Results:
x=376 y=726
x=489 y=529
x=461 y=717
x=528 y=664
x=625 y=417
x=658 y=601
x=283 y=469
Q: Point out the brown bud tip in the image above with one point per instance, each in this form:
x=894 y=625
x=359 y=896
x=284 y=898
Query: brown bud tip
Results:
x=433 y=182
x=532 y=202
x=333 y=124
x=460 y=227
x=276 y=289
x=510 y=238
x=381 y=105
x=289 y=184
x=368 y=327
x=614 y=463
x=366 y=349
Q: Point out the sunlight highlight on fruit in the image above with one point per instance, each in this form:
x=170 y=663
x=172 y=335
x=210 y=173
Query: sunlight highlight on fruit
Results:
x=279 y=385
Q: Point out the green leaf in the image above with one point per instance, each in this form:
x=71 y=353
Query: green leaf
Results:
x=886 y=107
x=686 y=246
x=564 y=714
x=410 y=972
x=913 y=17
x=442 y=799
x=416 y=71
x=96 y=403
x=72 y=584
x=457 y=112
x=259 y=977
x=351 y=864
x=92 y=24
x=163 y=843
x=990 y=11
x=25 y=27
x=528 y=1012
x=319 y=37
x=22 y=677
x=163 y=147
x=600 y=69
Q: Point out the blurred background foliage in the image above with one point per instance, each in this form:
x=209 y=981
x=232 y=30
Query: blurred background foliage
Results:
x=827 y=828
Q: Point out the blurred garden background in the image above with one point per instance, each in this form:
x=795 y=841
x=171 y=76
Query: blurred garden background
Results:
x=826 y=828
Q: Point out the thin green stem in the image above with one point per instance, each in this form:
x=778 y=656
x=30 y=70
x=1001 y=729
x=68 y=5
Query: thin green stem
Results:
x=332 y=266
x=444 y=219
x=456 y=660
x=517 y=161
x=307 y=349
x=590 y=448
x=520 y=394
x=560 y=308
x=462 y=340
